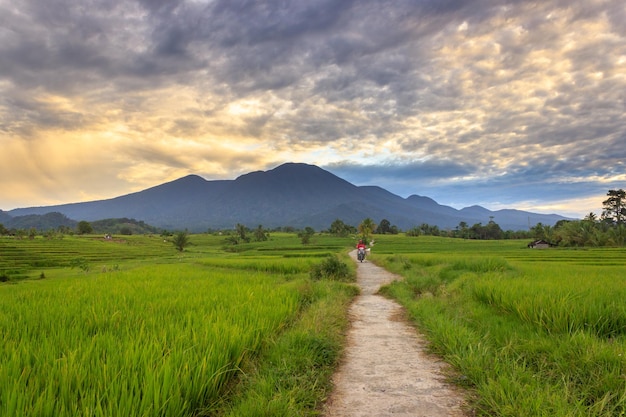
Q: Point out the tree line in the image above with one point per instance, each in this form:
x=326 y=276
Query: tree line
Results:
x=607 y=230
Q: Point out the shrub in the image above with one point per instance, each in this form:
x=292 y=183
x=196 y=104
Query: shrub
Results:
x=331 y=268
x=80 y=263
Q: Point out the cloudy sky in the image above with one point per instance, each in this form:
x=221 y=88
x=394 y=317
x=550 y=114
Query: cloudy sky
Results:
x=501 y=103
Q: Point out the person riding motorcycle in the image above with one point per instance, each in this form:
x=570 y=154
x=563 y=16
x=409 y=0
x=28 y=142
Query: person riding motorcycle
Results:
x=360 y=247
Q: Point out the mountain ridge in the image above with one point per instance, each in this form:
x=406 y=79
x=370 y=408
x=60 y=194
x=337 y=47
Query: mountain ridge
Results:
x=292 y=194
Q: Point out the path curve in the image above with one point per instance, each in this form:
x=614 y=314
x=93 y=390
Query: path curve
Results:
x=386 y=370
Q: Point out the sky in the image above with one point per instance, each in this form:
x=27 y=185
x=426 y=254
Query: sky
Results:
x=499 y=103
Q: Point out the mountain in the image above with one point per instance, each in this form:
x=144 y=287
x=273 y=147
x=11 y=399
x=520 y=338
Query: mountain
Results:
x=5 y=217
x=292 y=194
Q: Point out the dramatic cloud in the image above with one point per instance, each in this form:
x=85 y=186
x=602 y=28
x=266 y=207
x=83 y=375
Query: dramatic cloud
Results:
x=501 y=103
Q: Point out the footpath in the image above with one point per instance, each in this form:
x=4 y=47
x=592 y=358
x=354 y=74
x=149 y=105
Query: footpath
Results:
x=386 y=370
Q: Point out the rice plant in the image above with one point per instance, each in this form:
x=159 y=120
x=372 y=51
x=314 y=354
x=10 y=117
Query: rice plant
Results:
x=533 y=333
x=158 y=341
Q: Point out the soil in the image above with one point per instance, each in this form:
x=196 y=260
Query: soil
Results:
x=386 y=369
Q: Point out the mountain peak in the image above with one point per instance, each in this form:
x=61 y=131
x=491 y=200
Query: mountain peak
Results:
x=289 y=168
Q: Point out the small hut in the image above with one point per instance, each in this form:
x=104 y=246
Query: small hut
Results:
x=539 y=244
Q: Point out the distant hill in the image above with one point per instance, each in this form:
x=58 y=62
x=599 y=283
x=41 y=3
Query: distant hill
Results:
x=47 y=221
x=5 y=217
x=292 y=194
x=54 y=220
x=123 y=226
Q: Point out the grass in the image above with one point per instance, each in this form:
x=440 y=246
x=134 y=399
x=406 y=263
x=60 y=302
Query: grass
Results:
x=26 y=258
x=531 y=332
x=244 y=330
x=205 y=332
x=299 y=363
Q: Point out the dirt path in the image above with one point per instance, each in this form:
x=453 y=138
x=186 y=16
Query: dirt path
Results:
x=386 y=370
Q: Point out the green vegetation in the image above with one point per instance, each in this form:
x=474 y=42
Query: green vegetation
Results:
x=385 y=227
x=132 y=327
x=123 y=226
x=339 y=228
x=306 y=235
x=331 y=268
x=181 y=240
x=20 y=259
x=609 y=230
x=614 y=207
x=366 y=228
x=531 y=332
x=84 y=228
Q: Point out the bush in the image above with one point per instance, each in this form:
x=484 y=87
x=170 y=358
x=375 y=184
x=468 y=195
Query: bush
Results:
x=331 y=268
x=80 y=263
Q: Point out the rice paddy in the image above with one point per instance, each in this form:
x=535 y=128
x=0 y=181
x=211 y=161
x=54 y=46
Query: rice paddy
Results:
x=531 y=332
x=161 y=334
x=133 y=327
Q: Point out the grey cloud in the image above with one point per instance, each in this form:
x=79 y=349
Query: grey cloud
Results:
x=155 y=154
x=345 y=70
x=256 y=22
x=27 y=113
x=182 y=127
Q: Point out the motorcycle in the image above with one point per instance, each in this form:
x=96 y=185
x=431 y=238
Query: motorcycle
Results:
x=360 y=254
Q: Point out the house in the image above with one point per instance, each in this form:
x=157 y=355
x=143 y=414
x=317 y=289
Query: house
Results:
x=539 y=244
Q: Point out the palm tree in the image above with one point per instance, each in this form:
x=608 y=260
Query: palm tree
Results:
x=366 y=228
x=181 y=240
x=591 y=217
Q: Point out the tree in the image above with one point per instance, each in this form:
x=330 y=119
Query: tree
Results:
x=477 y=231
x=591 y=217
x=64 y=230
x=580 y=233
x=339 y=228
x=463 y=230
x=427 y=229
x=181 y=240
x=126 y=230
x=415 y=231
x=617 y=235
x=260 y=235
x=493 y=230
x=50 y=234
x=615 y=207
x=541 y=231
x=241 y=231
x=384 y=227
x=306 y=234
x=84 y=228
x=366 y=228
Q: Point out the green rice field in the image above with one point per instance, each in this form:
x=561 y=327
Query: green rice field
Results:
x=143 y=330
x=531 y=332
x=132 y=327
